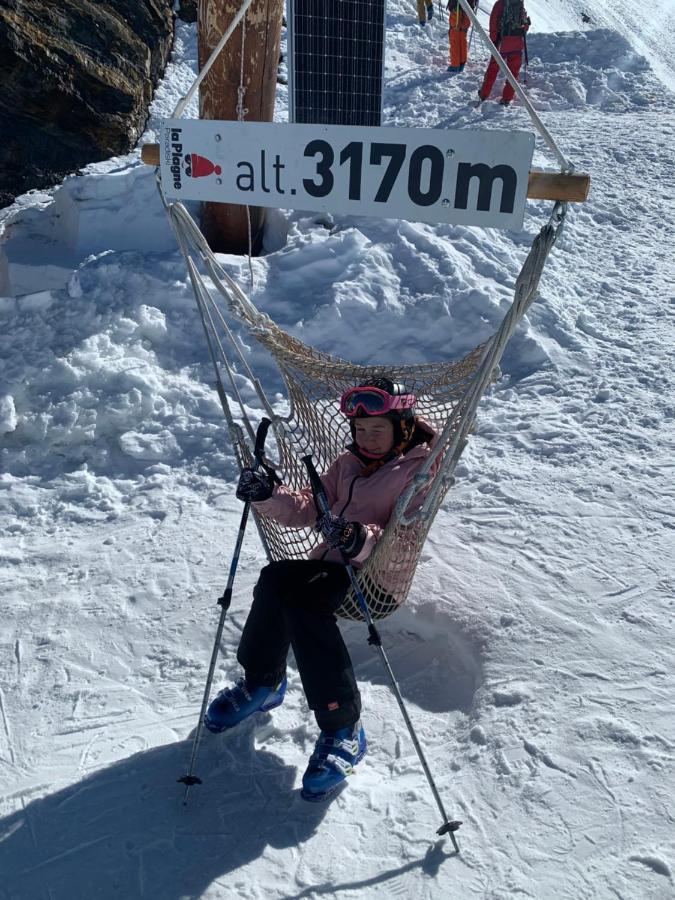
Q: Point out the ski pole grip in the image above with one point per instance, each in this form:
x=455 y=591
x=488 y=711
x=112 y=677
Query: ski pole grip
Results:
x=260 y=437
x=316 y=484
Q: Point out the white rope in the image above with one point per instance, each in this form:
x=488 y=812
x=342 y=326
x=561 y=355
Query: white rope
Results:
x=183 y=102
x=499 y=59
x=188 y=234
x=187 y=231
x=524 y=295
x=240 y=306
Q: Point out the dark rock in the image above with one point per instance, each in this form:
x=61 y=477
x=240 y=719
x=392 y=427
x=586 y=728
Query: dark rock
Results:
x=77 y=79
x=187 y=10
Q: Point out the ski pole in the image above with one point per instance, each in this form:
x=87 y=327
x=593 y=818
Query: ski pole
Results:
x=323 y=507
x=224 y=602
x=472 y=33
x=527 y=59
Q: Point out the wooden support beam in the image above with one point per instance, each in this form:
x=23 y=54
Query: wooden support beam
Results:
x=573 y=188
x=150 y=154
x=540 y=186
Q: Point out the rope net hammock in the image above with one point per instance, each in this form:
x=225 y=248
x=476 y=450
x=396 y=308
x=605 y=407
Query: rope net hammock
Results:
x=447 y=393
x=447 y=396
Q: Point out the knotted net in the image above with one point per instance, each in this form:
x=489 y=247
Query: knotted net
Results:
x=447 y=396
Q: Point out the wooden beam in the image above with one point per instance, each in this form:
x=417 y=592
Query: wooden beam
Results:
x=573 y=188
x=150 y=154
x=540 y=186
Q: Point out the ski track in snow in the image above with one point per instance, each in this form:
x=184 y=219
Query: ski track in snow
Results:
x=535 y=652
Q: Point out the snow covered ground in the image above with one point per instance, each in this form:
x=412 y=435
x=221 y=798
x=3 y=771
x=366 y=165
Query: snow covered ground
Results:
x=536 y=651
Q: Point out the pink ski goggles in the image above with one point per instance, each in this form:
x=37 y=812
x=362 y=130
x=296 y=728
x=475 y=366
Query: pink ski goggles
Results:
x=372 y=401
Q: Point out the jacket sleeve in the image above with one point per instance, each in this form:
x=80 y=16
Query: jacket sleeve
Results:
x=496 y=21
x=296 y=509
x=374 y=532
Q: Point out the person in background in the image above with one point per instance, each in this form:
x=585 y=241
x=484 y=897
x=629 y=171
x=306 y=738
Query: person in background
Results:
x=425 y=11
x=459 y=26
x=509 y=23
x=295 y=600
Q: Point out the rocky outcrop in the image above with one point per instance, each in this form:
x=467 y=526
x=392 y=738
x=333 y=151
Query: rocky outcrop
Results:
x=187 y=10
x=76 y=79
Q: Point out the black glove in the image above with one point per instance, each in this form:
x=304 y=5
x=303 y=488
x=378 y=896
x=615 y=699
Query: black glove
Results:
x=254 y=485
x=349 y=537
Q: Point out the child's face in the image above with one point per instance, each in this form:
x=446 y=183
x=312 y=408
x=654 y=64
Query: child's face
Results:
x=375 y=435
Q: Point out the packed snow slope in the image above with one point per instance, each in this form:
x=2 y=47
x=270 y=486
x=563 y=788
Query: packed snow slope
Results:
x=649 y=28
x=536 y=651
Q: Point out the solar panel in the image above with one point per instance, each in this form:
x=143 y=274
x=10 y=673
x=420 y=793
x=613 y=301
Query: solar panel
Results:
x=336 y=61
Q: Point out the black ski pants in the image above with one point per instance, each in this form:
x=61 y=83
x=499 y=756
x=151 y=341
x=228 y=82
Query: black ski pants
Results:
x=294 y=605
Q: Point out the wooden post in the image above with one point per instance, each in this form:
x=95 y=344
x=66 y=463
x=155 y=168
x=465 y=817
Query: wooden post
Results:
x=225 y=226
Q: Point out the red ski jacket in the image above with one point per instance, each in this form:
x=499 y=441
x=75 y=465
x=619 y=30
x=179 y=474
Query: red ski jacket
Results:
x=515 y=40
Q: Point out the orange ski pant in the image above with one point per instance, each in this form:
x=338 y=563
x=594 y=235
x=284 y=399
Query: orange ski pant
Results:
x=458 y=47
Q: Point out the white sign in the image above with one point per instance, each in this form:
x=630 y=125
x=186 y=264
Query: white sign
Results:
x=421 y=174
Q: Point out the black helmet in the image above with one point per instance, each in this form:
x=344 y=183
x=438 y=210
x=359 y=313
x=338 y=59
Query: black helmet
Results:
x=403 y=419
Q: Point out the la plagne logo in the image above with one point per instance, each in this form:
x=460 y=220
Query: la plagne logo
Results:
x=186 y=165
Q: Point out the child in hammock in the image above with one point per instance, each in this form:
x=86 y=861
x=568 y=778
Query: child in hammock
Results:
x=294 y=601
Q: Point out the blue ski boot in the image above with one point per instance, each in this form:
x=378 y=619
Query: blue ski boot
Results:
x=234 y=704
x=335 y=755
x=430 y=11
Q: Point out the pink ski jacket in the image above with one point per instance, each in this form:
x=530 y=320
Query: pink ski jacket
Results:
x=356 y=497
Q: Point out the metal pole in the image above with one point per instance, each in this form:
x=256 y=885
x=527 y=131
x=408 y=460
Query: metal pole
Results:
x=190 y=778
x=472 y=33
x=538 y=124
x=448 y=826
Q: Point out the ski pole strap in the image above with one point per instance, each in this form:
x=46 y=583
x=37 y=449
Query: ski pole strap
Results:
x=259 y=450
x=260 y=437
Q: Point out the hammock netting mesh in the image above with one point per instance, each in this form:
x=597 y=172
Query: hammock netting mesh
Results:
x=447 y=396
x=315 y=425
